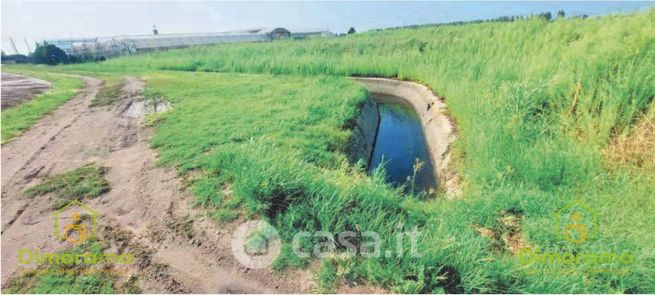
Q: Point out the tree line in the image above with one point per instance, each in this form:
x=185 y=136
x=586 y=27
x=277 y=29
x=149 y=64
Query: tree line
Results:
x=546 y=16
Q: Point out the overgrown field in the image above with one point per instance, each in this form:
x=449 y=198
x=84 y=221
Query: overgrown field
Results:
x=541 y=110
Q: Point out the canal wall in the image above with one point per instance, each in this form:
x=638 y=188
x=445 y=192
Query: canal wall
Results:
x=437 y=126
x=364 y=132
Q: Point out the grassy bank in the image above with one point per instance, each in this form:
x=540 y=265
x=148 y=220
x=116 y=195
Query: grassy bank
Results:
x=536 y=104
x=284 y=161
x=17 y=119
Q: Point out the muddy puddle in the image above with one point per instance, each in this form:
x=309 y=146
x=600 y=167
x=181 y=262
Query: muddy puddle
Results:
x=144 y=107
x=400 y=146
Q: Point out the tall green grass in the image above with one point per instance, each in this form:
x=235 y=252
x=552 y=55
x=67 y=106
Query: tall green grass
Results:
x=535 y=101
x=535 y=104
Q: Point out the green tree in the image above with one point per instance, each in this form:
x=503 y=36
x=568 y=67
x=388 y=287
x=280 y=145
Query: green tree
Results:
x=351 y=31
x=49 y=54
x=547 y=16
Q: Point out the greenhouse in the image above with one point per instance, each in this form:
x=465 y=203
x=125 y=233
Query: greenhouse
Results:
x=101 y=48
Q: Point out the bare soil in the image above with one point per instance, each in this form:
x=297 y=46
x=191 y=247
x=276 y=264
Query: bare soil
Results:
x=18 y=88
x=147 y=207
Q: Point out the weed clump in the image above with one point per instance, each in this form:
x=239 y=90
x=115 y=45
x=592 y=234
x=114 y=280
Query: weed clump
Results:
x=110 y=91
x=87 y=181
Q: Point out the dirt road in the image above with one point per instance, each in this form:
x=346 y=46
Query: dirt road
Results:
x=145 y=201
x=18 y=88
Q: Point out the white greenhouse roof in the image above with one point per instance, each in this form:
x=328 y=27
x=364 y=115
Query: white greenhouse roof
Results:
x=124 y=45
x=181 y=40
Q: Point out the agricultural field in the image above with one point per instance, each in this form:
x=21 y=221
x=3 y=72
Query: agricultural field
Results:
x=545 y=112
x=17 y=119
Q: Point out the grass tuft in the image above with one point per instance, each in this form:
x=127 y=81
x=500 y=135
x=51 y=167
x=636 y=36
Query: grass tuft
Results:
x=110 y=91
x=84 y=182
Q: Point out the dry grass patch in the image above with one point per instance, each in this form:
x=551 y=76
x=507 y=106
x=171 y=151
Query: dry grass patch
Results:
x=636 y=149
x=508 y=237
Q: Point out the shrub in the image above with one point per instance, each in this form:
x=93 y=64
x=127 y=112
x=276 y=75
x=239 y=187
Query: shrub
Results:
x=49 y=54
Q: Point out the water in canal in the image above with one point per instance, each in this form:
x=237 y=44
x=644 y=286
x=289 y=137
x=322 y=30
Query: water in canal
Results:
x=400 y=144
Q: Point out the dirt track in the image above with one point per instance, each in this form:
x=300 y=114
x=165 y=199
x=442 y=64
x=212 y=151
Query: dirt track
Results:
x=145 y=200
x=19 y=88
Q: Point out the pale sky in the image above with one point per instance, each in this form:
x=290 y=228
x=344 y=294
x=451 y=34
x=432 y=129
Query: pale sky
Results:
x=36 y=20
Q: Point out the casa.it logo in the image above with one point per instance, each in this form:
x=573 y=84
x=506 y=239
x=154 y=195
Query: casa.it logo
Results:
x=75 y=223
x=256 y=244
x=577 y=222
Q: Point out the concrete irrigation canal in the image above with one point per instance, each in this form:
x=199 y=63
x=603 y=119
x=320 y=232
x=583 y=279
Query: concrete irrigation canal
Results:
x=400 y=146
x=405 y=128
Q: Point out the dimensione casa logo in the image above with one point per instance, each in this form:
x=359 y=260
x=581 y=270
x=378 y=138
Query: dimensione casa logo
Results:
x=576 y=224
x=75 y=224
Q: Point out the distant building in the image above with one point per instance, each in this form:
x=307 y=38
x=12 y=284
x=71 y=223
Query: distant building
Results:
x=100 y=48
x=67 y=44
x=311 y=34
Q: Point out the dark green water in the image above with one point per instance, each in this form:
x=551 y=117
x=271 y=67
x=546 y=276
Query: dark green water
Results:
x=399 y=144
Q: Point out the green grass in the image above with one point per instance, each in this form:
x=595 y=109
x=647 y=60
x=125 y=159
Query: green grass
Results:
x=84 y=182
x=326 y=277
x=18 y=119
x=70 y=279
x=535 y=105
x=110 y=91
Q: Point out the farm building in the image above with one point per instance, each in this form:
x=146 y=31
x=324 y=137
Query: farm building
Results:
x=99 y=48
x=67 y=44
x=310 y=34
